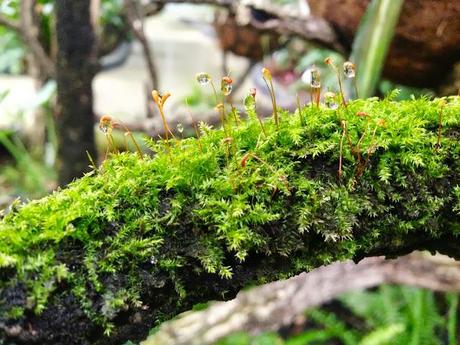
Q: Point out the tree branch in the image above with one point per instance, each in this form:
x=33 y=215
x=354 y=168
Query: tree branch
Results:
x=311 y=29
x=10 y=23
x=226 y=3
x=286 y=22
x=136 y=22
x=277 y=304
x=29 y=34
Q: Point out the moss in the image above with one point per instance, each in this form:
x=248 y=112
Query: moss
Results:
x=139 y=240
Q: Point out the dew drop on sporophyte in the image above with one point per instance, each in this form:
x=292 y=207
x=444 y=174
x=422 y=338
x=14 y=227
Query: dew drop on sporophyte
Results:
x=315 y=77
x=330 y=100
x=180 y=128
x=226 y=86
x=203 y=78
x=227 y=89
x=349 y=69
x=106 y=124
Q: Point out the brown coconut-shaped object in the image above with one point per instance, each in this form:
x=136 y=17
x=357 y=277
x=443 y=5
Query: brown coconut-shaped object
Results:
x=426 y=43
x=244 y=39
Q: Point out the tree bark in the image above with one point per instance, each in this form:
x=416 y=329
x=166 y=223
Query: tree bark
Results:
x=75 y=72
x=274 y=305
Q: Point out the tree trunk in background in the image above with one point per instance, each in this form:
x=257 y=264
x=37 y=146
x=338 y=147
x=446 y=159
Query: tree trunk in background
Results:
x=74 y=74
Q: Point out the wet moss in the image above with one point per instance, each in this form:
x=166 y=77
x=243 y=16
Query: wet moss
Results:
x=139 y=240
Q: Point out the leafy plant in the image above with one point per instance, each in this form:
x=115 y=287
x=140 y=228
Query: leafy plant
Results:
x=372 y=42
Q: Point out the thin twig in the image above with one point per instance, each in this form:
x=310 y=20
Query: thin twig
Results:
x=136 y=23
x=10 y=23
x=29 y=35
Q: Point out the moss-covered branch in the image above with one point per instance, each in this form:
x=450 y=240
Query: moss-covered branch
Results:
x=139 y=240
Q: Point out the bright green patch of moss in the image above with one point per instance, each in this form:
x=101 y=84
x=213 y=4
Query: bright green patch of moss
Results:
x=213 y=207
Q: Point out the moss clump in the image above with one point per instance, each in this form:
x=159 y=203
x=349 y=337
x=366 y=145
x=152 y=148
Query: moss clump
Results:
x=139 y=240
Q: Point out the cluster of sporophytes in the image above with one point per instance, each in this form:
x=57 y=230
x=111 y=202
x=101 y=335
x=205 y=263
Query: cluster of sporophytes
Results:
x=252 y=201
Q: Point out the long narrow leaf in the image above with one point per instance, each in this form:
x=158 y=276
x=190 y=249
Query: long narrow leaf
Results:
x=372 y=41
x=452 y=300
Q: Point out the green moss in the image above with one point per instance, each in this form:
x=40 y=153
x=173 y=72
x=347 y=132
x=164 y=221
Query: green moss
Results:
x=209 y=212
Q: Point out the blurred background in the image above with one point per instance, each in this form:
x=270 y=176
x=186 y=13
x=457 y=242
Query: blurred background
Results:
x=64 y=64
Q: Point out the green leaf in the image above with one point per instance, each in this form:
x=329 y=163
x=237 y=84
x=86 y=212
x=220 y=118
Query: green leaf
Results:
x=383 y=335
x=452 y=300
x=372 y=41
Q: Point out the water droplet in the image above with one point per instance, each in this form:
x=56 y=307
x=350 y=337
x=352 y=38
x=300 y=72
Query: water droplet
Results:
x=330 y=100
x=226 y=89
x=305 y=77
x=315 y=78
x=349 y=69
x=105 y=124
x=153 y=260
x=226 y=85
x=180 y=128
x=203 y=78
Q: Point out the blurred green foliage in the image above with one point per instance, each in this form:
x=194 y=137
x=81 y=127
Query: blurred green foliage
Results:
x=12 y=50
x=29 y=172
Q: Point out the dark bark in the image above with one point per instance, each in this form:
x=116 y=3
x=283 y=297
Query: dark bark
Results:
x=64 y=321
x=75 y=71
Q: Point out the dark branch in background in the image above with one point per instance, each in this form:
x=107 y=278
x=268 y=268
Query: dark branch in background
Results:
x=153 y=127
x=135 y=16
x=271 y=306
x=225 y=3
x=9 y=23
x=29 y=34
x=309 y=28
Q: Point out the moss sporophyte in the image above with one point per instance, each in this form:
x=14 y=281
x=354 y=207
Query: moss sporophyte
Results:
x=239 y=205
x=106 y=126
